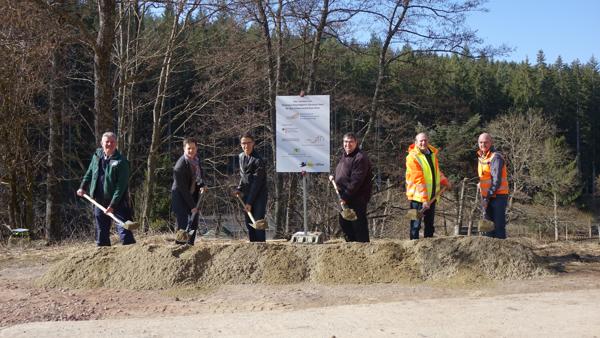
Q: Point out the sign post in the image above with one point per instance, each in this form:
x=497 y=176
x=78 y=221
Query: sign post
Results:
x=302 y=139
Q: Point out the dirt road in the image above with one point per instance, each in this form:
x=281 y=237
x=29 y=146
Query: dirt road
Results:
x=564 y=304
x=548 y=314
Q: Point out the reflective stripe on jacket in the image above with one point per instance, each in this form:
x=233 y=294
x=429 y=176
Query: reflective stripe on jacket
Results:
x=484 y=169
x=419 y=175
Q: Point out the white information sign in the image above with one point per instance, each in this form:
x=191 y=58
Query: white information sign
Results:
x=302 y=134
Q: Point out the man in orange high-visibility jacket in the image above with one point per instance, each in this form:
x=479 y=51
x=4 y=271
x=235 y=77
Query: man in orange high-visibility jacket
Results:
x=423 y=180
x=493 y=183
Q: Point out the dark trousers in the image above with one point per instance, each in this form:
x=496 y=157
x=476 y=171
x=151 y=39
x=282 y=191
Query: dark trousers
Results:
x=428 y=218
x=356 y=231
x=259 y=210
x=183 y=215
x=496 y=212
x=103 y=222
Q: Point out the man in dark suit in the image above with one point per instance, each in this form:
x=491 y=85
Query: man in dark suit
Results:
x=353 y=177
x=188 y=184
x=252 y=186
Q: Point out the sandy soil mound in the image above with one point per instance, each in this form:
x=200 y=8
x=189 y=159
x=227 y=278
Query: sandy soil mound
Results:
x=161 y=266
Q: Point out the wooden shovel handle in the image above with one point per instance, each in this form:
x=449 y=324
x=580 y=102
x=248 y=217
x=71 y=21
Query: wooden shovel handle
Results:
x=337 y=191
x=244 y=207
x=439 y=193
x=110 y=214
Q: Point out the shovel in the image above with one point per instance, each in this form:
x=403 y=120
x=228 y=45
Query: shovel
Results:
x=346 y=213
x=485 y=225
x=261 y=224
x=415 y=214
x=129 y=225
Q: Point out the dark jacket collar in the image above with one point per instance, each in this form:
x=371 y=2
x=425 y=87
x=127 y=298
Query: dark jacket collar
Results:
x=356 y=151
x=252 y=154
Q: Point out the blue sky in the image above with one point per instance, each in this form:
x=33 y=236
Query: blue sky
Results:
x=570 y=29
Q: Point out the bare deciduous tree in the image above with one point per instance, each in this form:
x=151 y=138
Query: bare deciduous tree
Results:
x=26 y=43
x=521 y=137
x=556 y=174
x=101 y=44
x=425 y=27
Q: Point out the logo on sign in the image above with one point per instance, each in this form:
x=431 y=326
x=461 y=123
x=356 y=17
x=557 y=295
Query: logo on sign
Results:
x=311 y=164
x=294 y=116
x=316 y=140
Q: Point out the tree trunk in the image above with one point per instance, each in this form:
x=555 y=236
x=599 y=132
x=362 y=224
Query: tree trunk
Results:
x=138 y=24
x=280 y=202
x=55 y=140
x=122 y=95
x=13 y=206
x=461 y=204
x=28 y=211
x=555 y=195
x=157 y=114
x=314 y=59
x=102 y=64
x=129 y=14
x=273 y=76
x=291 y=205
x=388 y=198
x=383 y=63
x=475 y=207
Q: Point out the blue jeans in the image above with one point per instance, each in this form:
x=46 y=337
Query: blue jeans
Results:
x=428 y=218
x=496 y=212
x=103 y=222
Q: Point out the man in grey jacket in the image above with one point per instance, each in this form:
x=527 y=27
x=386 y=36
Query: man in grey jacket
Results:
x=188 y=184
x=253 y=186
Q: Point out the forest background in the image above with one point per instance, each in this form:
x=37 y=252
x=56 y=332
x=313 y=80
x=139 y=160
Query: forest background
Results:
x=157 y=71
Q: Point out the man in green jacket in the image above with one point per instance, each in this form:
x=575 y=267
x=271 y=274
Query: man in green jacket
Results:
x=108 y=180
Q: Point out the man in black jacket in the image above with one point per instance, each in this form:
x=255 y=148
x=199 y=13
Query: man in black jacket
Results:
x=252 y=186
x=188 y=184
x=353 y=178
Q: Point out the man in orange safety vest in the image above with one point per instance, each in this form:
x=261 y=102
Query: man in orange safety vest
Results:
x=423 y=181
x=493 y=183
